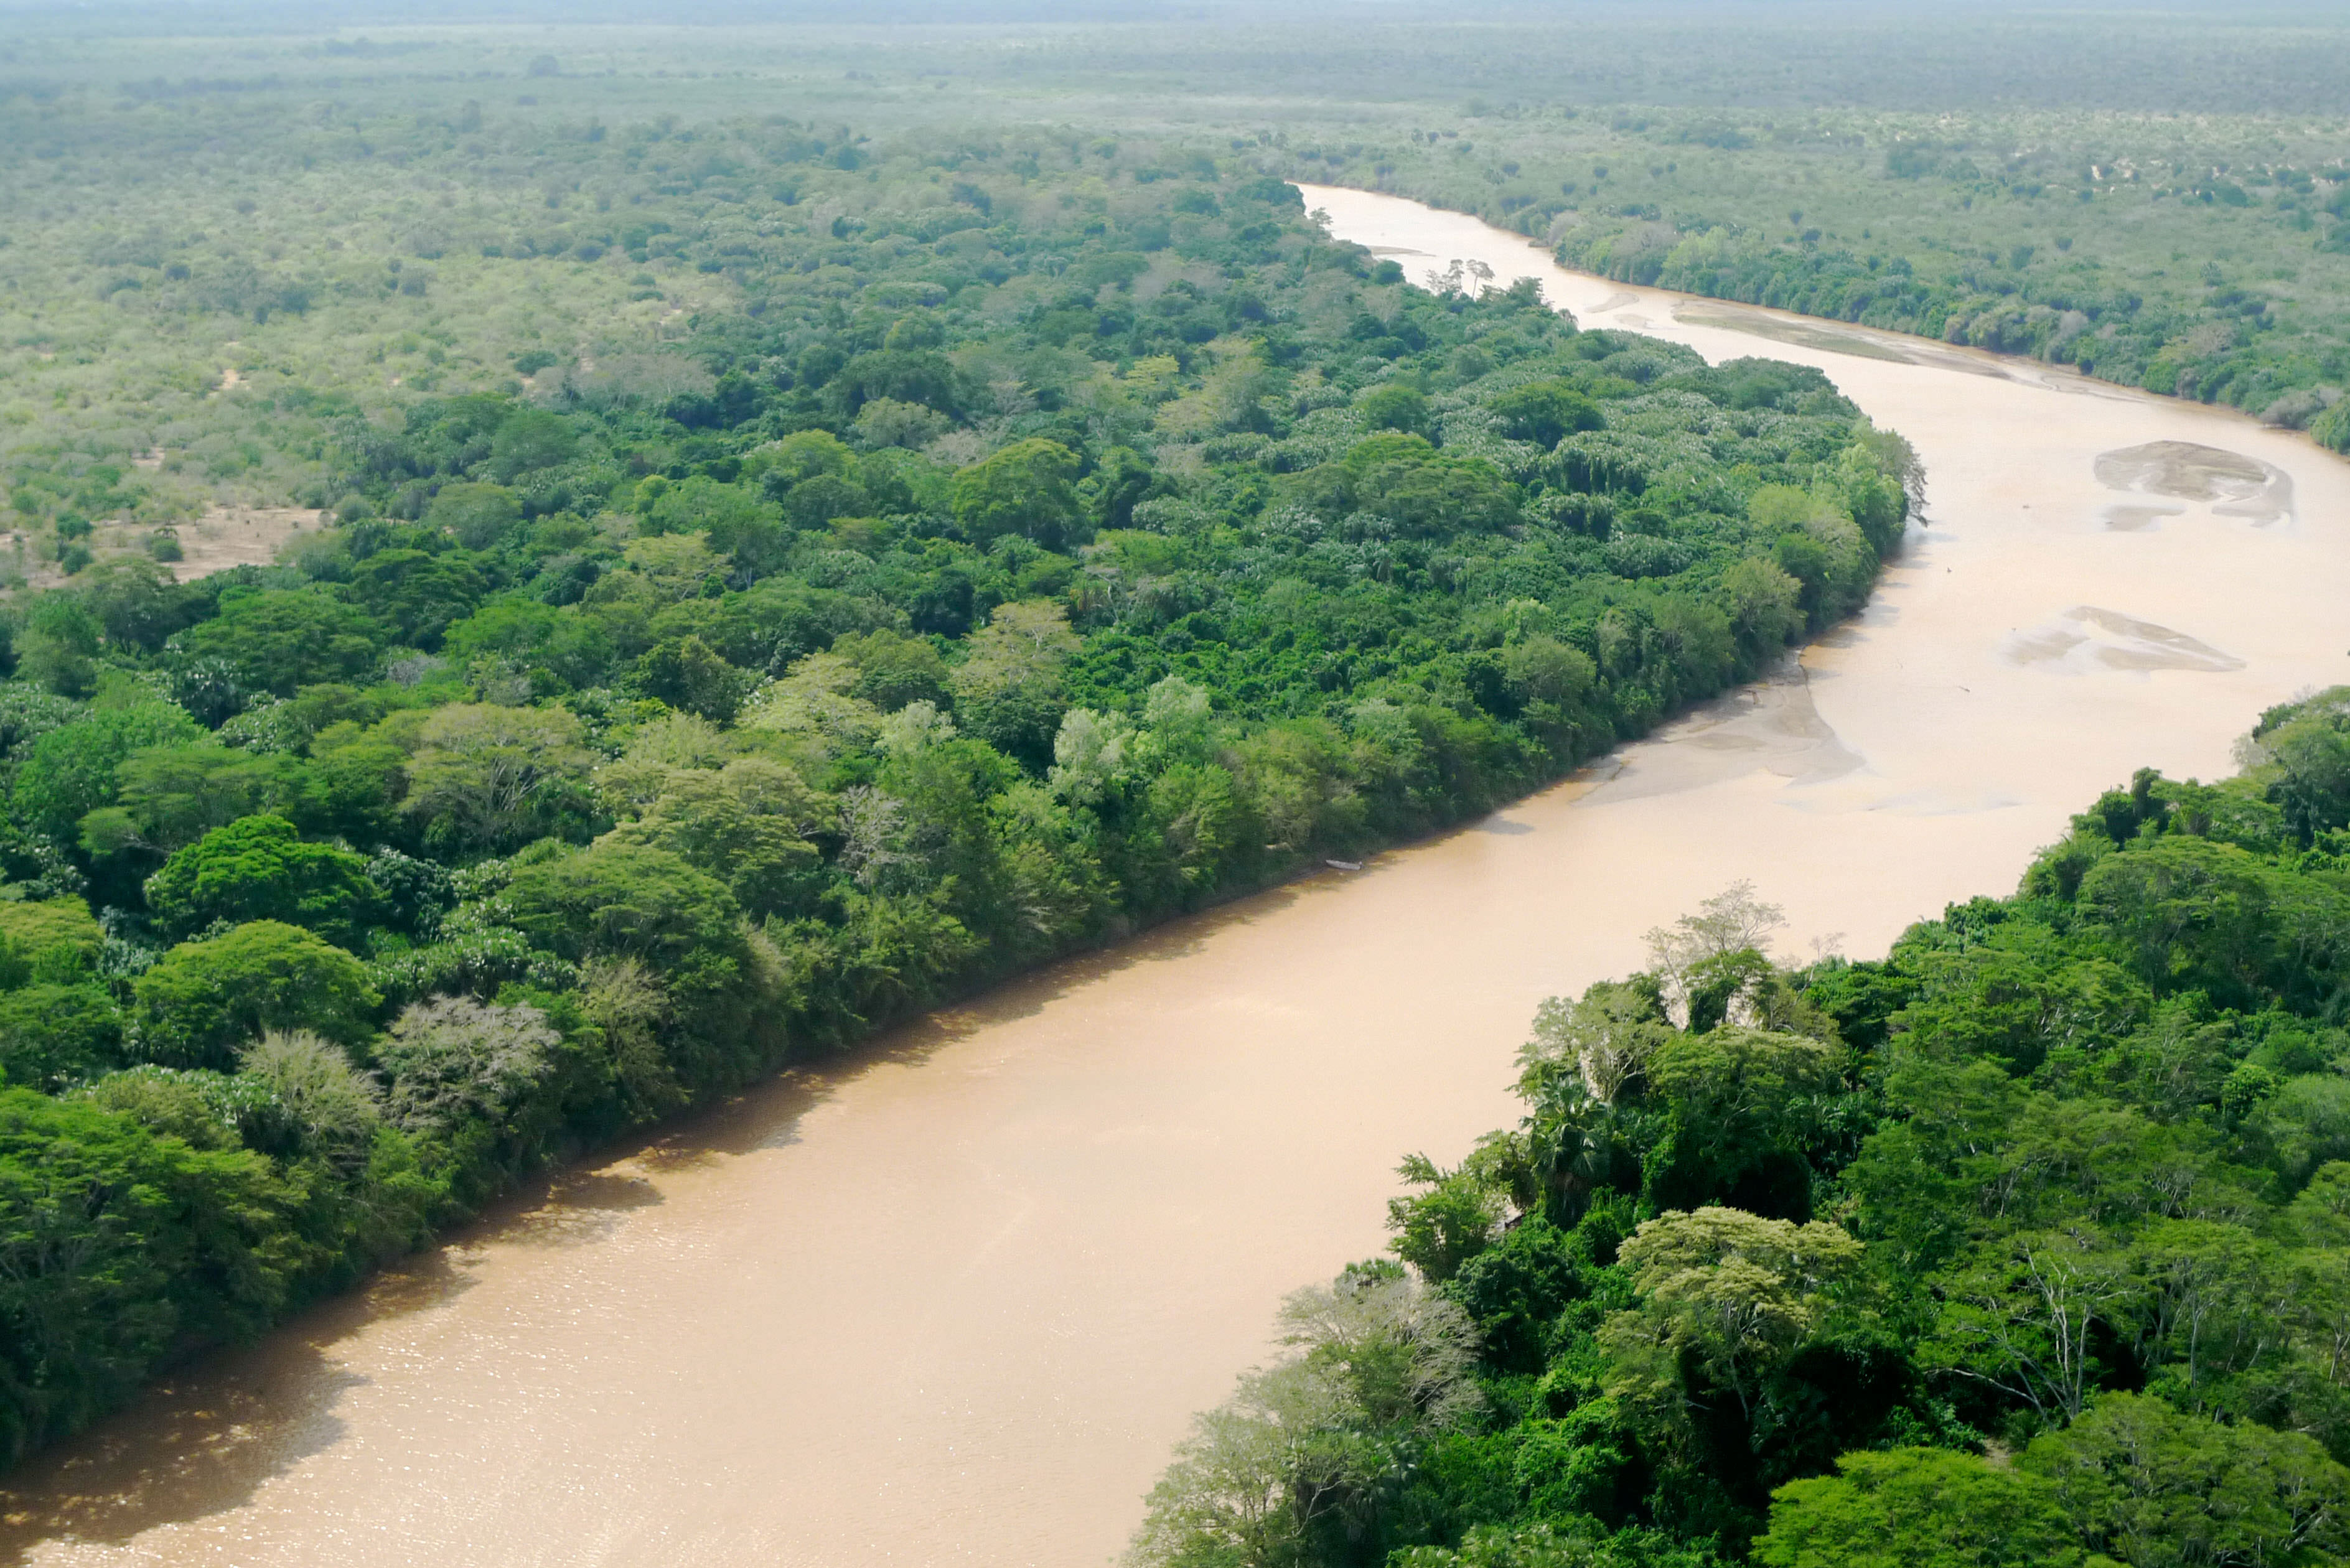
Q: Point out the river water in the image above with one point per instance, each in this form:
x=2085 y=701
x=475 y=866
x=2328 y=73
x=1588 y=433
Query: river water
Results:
x=952 y=1301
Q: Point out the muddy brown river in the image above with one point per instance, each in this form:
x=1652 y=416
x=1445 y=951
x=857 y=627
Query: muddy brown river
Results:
x=953 y=1299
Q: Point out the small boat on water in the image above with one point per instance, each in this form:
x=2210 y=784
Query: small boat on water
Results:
x=1345 y=865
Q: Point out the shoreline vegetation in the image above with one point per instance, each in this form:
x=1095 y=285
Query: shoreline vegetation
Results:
x=2024 y=1244
x=2228 y=345
x=1025 y=539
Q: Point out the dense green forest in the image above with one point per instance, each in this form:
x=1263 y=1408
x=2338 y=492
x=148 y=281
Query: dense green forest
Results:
x=2152 y=193
x=2025 y=1244
x=2210 y=263
x=195 y=215
x=1054 y=536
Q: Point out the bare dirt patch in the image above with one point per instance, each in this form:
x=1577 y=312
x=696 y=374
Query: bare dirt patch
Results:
x=2086 y=637
x=229 y=537
x=2245 y=486
x=1803 y=334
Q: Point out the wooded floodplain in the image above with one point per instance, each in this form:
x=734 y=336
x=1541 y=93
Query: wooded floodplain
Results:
x=1054 y=538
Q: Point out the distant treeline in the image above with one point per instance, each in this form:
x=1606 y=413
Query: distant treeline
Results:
x=2085 y=262
x=2218 y=350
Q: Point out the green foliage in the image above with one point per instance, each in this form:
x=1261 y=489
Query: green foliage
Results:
x=1725 y=1298
x=1011 y=689
x=2303 y=757
x=479 y=515
x=259 y=868
x=692 y=677
x=117 y=1244
x=2148 y=1484
x=1442 y=1229
x=1745 y=1106
x=167 y=798
x=1394 y=407
x=625 y=899
x=1293 y=1469
x=203 y=998
x=1929 y=1507
x=322 y=1108
x=1049 y=537
x=1545 y=412
x=54 y=941
x=1026 y=489
x=1572 y=1546
x=72 y=769
x=451 y=1059
x=54 y=1035
x=745 y=823
x=203 y=1109
x=485 y=776
x=58 y=647
x=280 y=639
x=416 y=596
x=2332 y=428
x=483 y=1082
